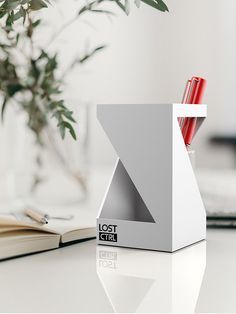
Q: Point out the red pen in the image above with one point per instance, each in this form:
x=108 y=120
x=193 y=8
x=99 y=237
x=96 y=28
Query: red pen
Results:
x=198 y=86
x=189 y=100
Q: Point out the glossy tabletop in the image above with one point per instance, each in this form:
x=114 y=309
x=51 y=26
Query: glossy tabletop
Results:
x=87 y=278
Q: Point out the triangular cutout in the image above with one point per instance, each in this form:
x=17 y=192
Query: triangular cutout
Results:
x=125 y=293
x=123 y=200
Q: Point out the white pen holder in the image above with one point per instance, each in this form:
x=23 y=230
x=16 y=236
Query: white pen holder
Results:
x=153 y=200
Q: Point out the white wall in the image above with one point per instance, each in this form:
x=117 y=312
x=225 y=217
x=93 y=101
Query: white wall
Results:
x=151 y=55
x=149 y=58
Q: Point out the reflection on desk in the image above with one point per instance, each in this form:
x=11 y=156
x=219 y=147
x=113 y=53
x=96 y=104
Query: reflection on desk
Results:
x=142 y=281
x=125 y=279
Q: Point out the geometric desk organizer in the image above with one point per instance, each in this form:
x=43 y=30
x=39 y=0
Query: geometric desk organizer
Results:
x=152 y=201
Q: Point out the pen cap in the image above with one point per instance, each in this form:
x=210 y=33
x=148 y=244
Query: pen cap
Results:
x=199 y=89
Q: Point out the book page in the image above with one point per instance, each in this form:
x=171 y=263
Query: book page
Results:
x=9 y=222
x=84 y=212
x=79 y=219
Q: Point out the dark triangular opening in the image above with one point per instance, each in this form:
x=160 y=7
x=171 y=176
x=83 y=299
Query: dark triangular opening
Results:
x=123 y=200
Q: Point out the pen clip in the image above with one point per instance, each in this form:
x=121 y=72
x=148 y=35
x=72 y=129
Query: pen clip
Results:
x=192 y=91
x=186 y=92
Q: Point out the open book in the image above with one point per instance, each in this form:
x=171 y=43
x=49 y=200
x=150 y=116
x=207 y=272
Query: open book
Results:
x=20 y=237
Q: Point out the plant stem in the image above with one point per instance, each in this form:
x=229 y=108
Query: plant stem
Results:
x=60 y=30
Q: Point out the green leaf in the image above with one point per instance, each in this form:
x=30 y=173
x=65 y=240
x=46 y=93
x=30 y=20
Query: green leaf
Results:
x=157 y=4
x=62 y=130
x=69 y=115
x=162 y=5
x=13 y=88
x=25 y=1
x=37 y=5
x=10 y=20
x=2 y=13
x=24 y=16
x=120 y=5
x=10 y=4
x=19 y=14
x=85 y=8
x=36 y=23
x=90 y=54
x=17 y=38
x=127 y=7
x=103 y=11
x=3 y=108
x=52 y=64
x=70 y=128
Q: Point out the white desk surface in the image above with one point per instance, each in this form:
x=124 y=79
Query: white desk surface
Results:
x=86 y=278
x=126 y=280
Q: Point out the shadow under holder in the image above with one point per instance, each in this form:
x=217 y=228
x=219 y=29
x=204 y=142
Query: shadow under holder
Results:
x=152 y=201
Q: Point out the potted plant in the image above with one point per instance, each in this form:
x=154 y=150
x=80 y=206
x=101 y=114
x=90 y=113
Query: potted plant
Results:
x=29 y=80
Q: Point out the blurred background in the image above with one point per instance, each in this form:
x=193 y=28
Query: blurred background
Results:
x=148 y=59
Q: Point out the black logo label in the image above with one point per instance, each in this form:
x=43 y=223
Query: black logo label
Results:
x=107 y=232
